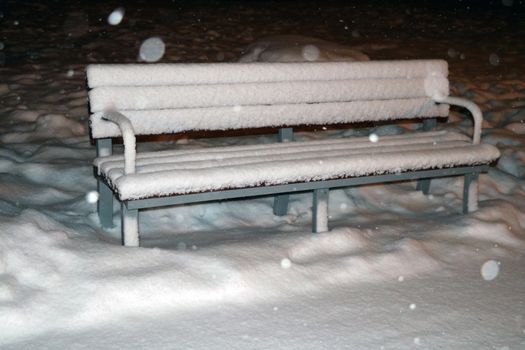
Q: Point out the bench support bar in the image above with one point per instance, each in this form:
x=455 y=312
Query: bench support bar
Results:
x=105 y=205
x=130 y=226
x=423 y=185
x=320 y=210
x=105 y=195
x=470 y=193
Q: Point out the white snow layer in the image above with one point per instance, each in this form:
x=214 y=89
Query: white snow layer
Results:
x=231 y=73
x=264 y=94
x=246 y=166
x=163 y=121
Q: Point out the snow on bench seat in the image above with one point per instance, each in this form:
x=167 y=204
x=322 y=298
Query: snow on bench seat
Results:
x=189 y=171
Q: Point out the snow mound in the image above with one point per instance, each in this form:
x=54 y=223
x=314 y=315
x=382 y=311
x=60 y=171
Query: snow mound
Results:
x=51 y=277
x=298 y=48
x=342 y=242
x=517 y=127
x=43 y=127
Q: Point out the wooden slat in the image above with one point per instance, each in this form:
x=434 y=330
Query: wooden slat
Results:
x=258 y=72
x=193 y=96
x=151 y=122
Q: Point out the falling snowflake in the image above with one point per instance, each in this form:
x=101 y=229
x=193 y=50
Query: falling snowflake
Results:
x=494 y=59
x=116 y=16
x=152 y=49
x=286 y=263
x=452 y=53
x=92 y=197
x=310 y=53
x=490 y=270
x=373 y=137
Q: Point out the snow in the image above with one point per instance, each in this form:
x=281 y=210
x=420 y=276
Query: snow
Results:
x=321 y=212
x=258 y=72
x=131 y=228
x=128 y=138
x=473 y=198
x=490 y=270
x=165 y=97
x=299 y=48
x=211 y=275
x=116 y=16
x=92 y=197
x=152 y=49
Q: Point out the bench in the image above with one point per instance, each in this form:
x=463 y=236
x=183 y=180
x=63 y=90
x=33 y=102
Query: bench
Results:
x=152 y=99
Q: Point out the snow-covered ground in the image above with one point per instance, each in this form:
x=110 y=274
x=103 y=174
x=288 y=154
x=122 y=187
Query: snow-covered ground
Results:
x=398 y=270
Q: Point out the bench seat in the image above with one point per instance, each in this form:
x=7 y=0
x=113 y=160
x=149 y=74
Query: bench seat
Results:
x=173 y=172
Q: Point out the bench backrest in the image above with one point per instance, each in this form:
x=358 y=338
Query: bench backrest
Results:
x=169 y=98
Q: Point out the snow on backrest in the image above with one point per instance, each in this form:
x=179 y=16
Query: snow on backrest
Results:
x=165 y=98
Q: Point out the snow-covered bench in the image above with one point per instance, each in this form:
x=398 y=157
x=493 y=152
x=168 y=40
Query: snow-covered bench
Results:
x=135 y=99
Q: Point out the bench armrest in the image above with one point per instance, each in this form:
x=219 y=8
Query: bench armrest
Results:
x=472 y=108
x=128 y=135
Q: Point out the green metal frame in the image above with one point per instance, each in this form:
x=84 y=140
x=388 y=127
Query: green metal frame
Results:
x=105 y=194
x=300 y=187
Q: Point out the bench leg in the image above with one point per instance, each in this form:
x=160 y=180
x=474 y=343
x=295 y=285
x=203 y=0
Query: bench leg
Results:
x=470 y=193
x=105 y=195
x=280 y=202
x=429 y=124
x=423 y=185
x=130 y=226
x=320 y=211
x=105 y=205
